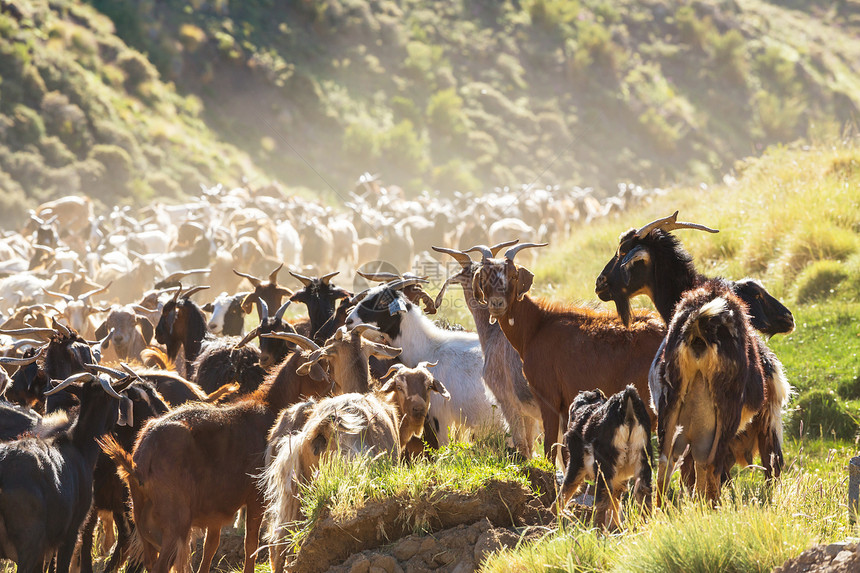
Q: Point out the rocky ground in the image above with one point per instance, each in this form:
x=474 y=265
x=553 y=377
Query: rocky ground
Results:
x=843 y=557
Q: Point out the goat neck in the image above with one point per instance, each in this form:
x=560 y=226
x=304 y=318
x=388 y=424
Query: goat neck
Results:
x=521 y=321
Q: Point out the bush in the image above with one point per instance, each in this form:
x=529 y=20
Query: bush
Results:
x=819 y=240
x=137 y=68
x=27 y=168
x=13 y=203
x=67 y=121
x=55 y=152
x=819 y=281
x=403 y=149
x=849 y=389
x=455 y=176
x=27 y=128
x=821 y=414
x=445 y=113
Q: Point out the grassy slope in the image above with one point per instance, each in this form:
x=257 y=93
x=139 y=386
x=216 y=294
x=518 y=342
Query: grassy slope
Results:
x=80 y=111
x=470 y=94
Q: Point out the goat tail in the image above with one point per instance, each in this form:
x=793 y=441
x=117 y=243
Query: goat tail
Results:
x=153 y=357
x=125 y=466
x=223 y=392
x=280 y=485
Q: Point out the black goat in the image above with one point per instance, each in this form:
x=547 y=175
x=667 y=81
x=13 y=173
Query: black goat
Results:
x=182 y=325
x=653 y=262
x=609 y=441
x=46 y=484
x=320 y=296
x=711 y=384
x=109 y=492
x=272 y=350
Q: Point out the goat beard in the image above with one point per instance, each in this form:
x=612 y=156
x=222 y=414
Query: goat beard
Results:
x=622 y=307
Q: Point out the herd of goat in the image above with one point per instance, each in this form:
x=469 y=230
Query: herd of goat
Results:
x=158 y=415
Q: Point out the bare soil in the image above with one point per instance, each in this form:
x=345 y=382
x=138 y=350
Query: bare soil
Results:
x=843 y=557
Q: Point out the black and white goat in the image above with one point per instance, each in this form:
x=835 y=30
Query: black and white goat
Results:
x=458 y=356
x=609 y=442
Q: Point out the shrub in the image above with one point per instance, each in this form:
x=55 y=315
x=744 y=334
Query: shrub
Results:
x=821 y=414
x=455 y=176
x=137 y=68
x=27 y=128
x=403 y=148
x=730 y=57
x=849 y=389
x=163 y=187
x=360 y=142
x=191 y=37
x=445 y=113
x=55 y=152
x=692 y=29
x=13 y=202
x=819 y=240
x=67 y=121
x=819 y=280
x=778 y=117
x=27 y=168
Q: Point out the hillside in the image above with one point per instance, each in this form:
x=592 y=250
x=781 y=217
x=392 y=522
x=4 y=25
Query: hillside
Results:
x=81 y=112
x=471 y=94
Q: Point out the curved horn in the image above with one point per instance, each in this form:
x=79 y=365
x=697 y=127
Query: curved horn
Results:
x=326 y=278
x=105 y=370
x=404 y=283
x=25 y=331
x=107 y=388
x=9 y=361
x=496 y=248
x=354 y=300
x=380 y=277
x=364 y=327
x=193 y=290
x=461 y=256
x=61 y=328
x=179 y=275
x=248 y=338
x=393 y=368
x=176 y=294
x=485 y=251
x=71 y=379
x=273 y=276
x=128 y=369
x=301 y=278
x=279 y=314
x=65 y=297
x=301 y=341
x=512 y=252
x=671 y=223
x=27 y=341
x=254 y=280
x=264 y=310
x=427 y=364
x=87 y=295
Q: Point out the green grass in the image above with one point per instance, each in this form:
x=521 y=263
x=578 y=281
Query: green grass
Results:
x=343 y=486
x=754 y=529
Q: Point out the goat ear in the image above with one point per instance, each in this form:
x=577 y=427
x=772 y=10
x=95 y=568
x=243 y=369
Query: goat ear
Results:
x=440 y=388
x=145 y=329
x=637 y=254
x=389 y=386
x=476 y=288
x=525 y=278
x=318 y=444
x=248 y=303
x=304 y=369
x=317 y=373
x=207 y=307
x=382 y=350
x=101 y=332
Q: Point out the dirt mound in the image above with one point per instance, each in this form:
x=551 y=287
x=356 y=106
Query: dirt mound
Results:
x=843 y=557
x=457 y=550
x=500 y=504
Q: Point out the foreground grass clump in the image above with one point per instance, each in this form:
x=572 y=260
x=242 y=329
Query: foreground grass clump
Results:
x=343 y=486
x=755 y=529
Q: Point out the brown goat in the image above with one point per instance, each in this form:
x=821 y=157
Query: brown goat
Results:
x=565 y=349
x=194 y=467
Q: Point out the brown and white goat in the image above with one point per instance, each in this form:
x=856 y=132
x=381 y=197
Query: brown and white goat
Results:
x=711 y=384
x=564 y=349
x=194 y=467
x=378 y=424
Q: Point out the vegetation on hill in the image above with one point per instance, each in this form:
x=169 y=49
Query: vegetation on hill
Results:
x=81 y=112
x=471 y=94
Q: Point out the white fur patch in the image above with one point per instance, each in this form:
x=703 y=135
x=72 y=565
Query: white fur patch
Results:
x=714 y=307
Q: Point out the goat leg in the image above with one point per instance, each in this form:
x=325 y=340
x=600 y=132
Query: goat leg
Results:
x=210 y=545
x=254 y=521
x=123 y=541
x=86 y=552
